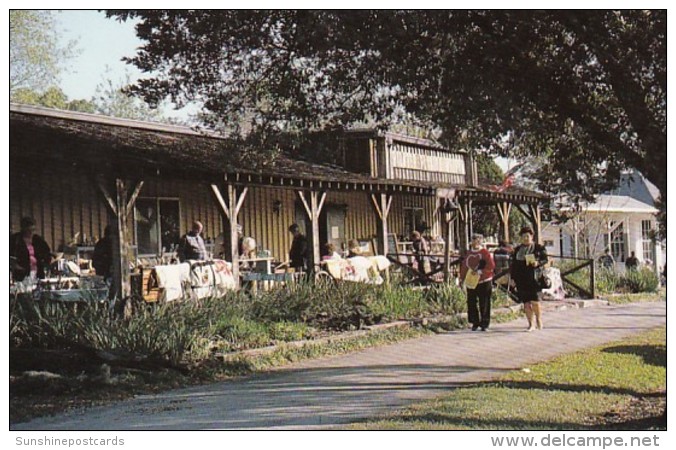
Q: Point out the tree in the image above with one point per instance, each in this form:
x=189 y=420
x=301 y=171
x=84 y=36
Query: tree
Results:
x=111 y=100
x=54 y=98
x=35 y=57
x=586 y=89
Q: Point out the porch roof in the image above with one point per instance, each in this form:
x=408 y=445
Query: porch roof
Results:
x=106 y=145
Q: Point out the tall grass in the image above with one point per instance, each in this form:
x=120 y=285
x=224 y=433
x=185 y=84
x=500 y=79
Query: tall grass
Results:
x=609 y=281
x=642 y=280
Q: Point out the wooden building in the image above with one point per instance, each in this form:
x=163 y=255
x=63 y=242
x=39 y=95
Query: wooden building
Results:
x=76 y=172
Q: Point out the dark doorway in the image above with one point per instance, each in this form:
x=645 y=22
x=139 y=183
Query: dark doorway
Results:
x=332 y=225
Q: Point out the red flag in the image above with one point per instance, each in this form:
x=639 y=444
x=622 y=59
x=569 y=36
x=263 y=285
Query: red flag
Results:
x=508 y=181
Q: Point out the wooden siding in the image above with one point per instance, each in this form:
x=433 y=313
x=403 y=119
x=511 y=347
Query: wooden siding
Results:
x=409 y=162
x=63 y=203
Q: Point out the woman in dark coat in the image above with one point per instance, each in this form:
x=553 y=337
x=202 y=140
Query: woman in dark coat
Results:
x=31 y=253
x=525 y=262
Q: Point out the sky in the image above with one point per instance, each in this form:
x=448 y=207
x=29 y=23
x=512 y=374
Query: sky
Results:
x=101 y=43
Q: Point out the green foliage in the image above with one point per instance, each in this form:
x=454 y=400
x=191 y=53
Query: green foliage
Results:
x=35 y=58
x=396 y=303
x=500 y=299
x=54 y=98
x=607 y=280
x=110 y=99
x=642 y=280
x=191 y=331
x=485 y=218
x=586 y=88
x=446 y=298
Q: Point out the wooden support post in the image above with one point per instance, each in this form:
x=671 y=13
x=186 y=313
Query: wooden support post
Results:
x=230 y=206
x=120 y=205
x=463 y=234
x=313 y=210
x=504 y=209
x=449 y=218
x=382 y=204
x=121 y=271
x=232 y=228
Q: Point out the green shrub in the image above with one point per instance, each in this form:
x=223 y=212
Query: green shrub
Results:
x=241 y=333
x=154 y=332
x=191 y=331
x=398 y=302
x=290 y=331
x=446 y=298
x=607 y=280
x=642 y=280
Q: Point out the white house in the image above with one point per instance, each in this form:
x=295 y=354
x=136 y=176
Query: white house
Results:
x=622 y=221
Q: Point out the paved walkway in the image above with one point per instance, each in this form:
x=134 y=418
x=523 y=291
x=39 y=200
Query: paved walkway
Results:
x=342 y=389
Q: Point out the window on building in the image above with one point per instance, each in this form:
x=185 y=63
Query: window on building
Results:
x=648 y=245
x=157 y=225
x=413 y=219
x=615 y=240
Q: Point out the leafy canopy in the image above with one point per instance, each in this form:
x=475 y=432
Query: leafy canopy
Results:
x=585 y=89
x=35 y=57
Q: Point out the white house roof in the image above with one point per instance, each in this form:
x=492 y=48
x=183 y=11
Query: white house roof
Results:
x=619 y=203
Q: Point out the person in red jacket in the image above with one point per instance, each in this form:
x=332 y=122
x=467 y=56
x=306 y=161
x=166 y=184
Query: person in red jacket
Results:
x=476 y=272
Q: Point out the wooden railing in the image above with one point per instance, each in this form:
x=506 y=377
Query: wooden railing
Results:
x=579 y=264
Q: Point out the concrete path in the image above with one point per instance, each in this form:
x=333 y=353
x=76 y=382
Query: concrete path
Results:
x=337 y=390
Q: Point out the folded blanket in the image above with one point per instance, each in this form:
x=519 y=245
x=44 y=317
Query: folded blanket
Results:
x=170 y=280
x=380 y=262
x=211 y=278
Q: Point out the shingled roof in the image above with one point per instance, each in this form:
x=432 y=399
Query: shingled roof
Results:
x=135 y=148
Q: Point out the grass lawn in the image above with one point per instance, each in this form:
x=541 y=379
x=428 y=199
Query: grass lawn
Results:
x=620 y=386
x=619 y=299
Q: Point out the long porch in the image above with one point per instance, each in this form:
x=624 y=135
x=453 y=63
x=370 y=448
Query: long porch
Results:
x=152 y=181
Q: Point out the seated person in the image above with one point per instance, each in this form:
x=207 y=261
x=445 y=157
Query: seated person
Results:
x=330 y=252
x=353 y=248
x=248 y=248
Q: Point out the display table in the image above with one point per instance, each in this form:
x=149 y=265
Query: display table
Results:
x=66 y=289
x=257 y=270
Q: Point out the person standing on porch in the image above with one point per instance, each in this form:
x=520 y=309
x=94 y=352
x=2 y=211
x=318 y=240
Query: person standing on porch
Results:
x=30 y=252
x=103 y=254
x=421 y=250
x=476 y=272
x=192 y=245
x=527 y=258
x=298 y=255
